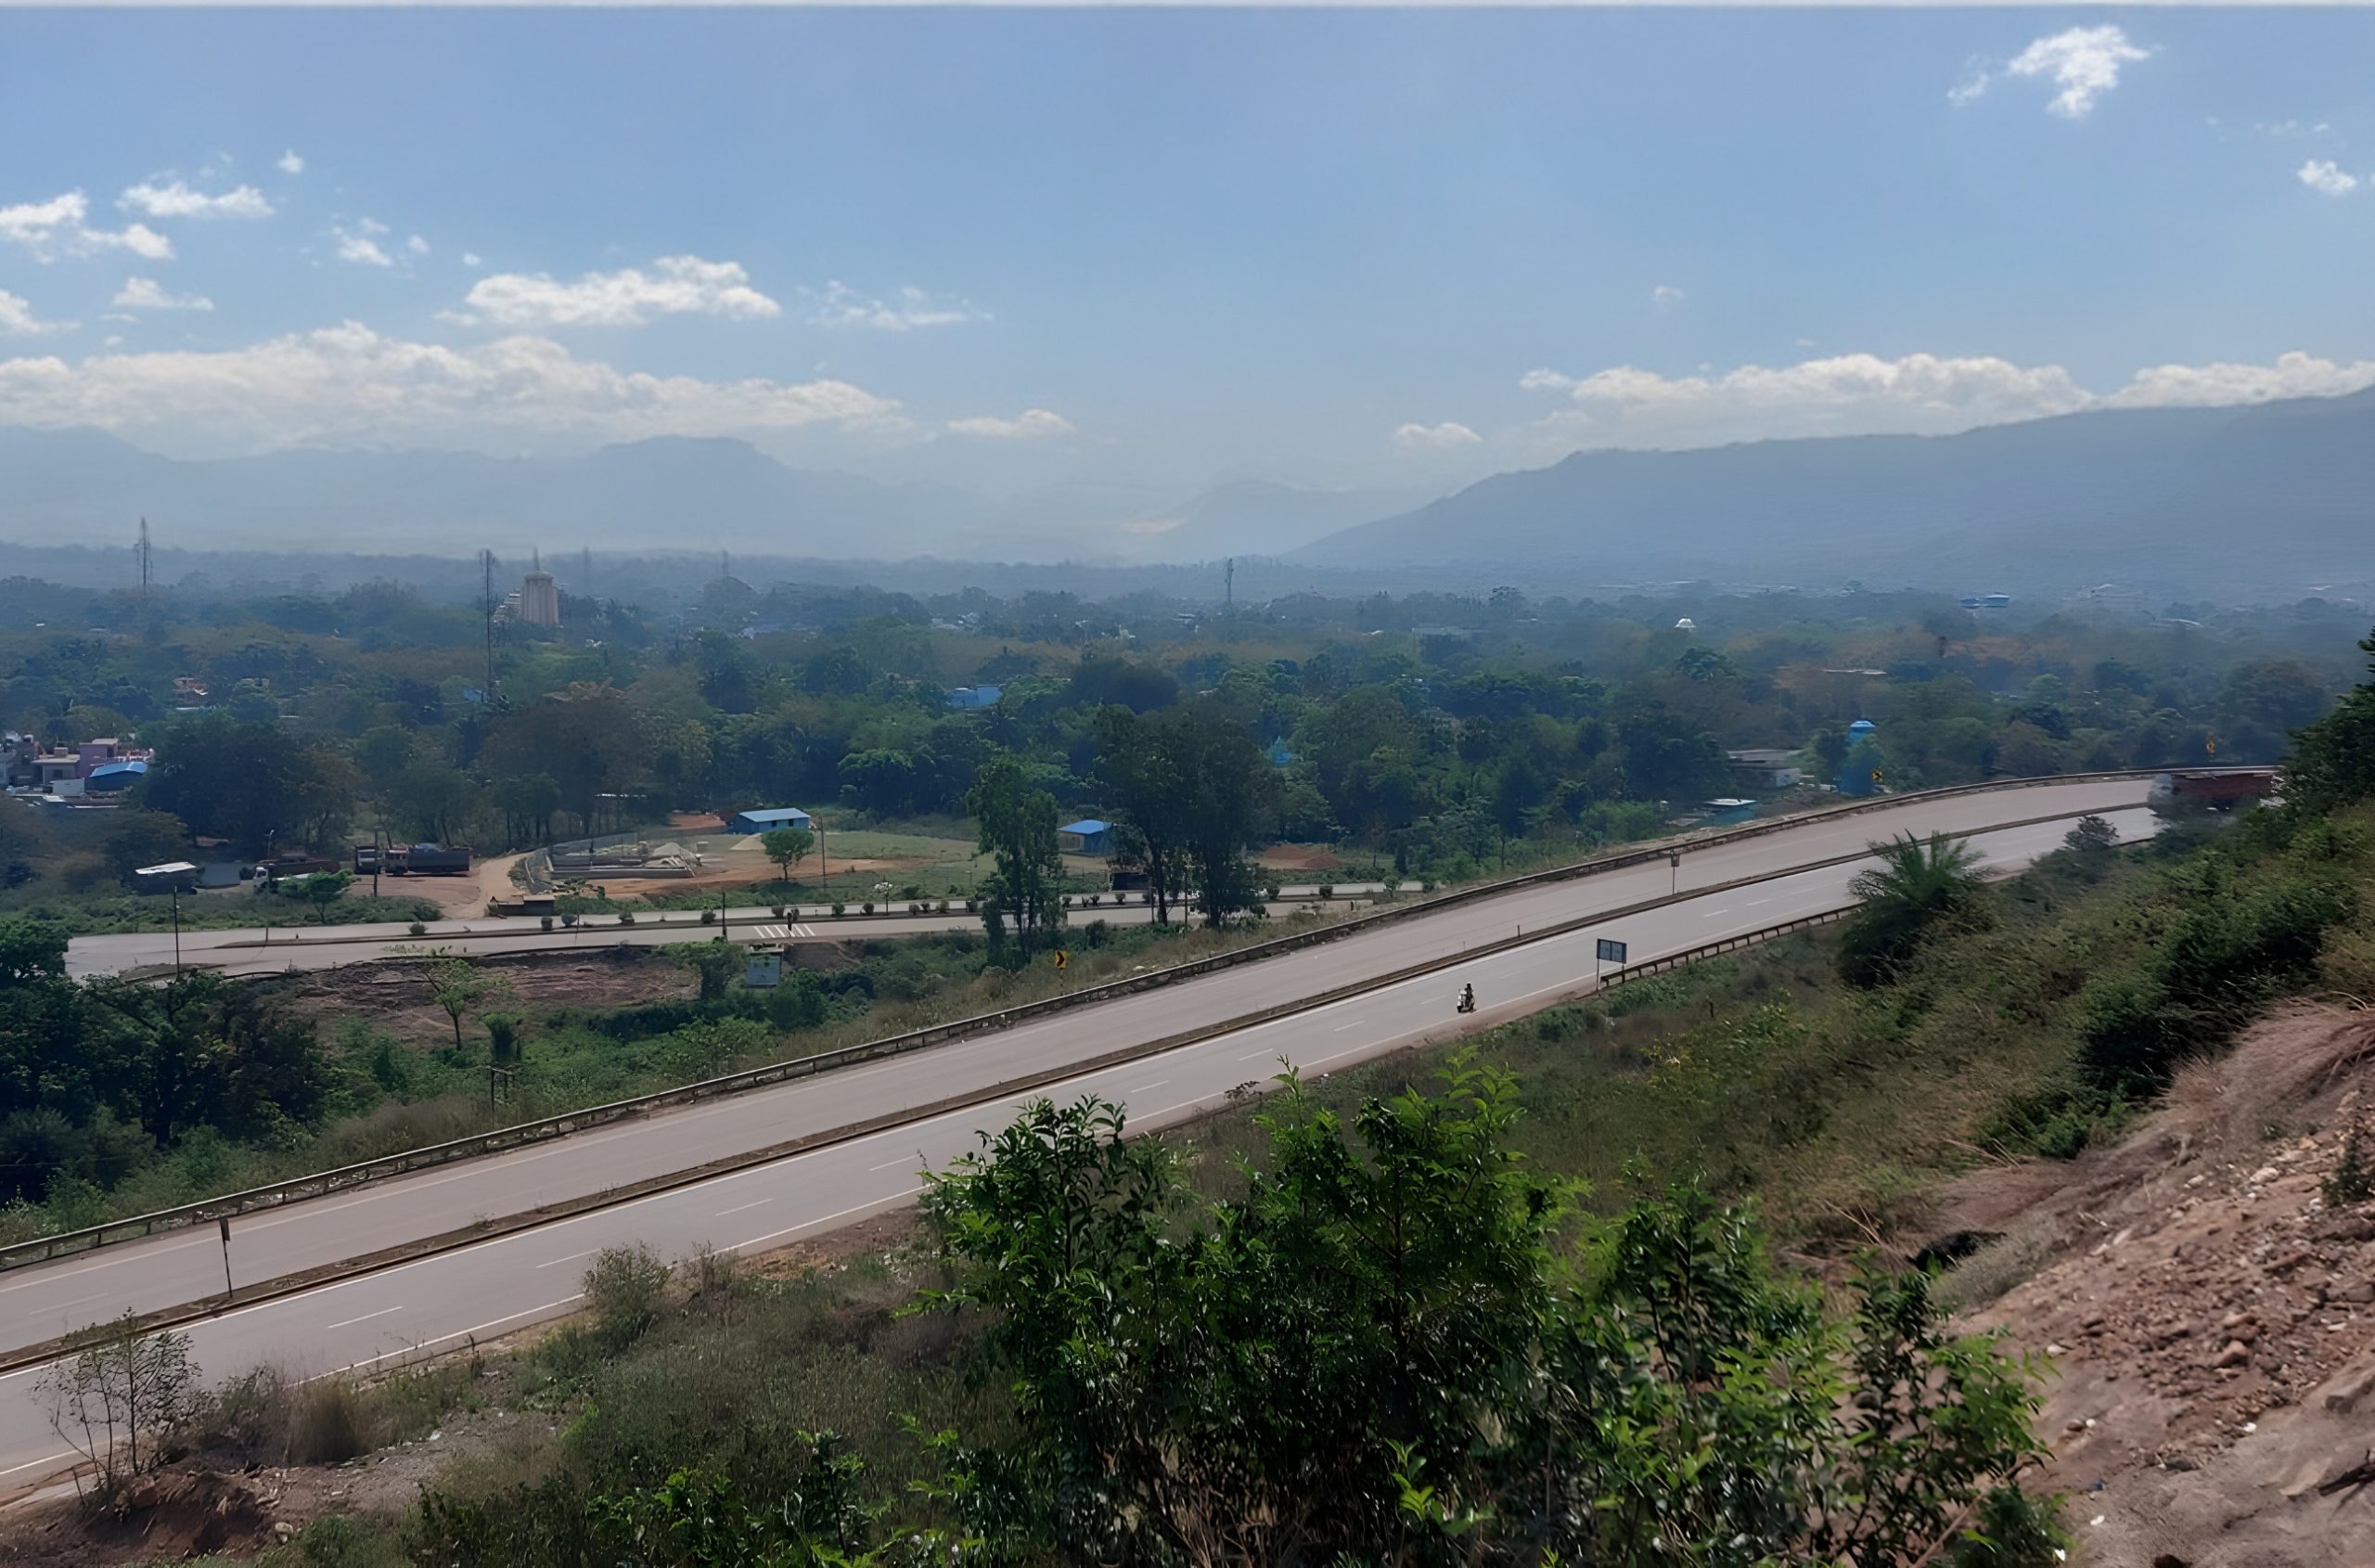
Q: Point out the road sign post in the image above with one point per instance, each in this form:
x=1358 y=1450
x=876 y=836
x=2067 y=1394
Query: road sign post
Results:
x=224 y=1221
x=1608 y=951
x=1062 y=960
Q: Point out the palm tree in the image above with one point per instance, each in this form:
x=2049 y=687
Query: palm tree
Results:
x=1915 y=887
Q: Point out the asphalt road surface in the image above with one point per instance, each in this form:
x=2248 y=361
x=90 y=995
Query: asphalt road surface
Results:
x=254 y=950
x=502 y=1284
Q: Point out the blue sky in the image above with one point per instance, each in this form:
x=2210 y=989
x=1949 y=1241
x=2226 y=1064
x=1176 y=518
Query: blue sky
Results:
x=1153 y=248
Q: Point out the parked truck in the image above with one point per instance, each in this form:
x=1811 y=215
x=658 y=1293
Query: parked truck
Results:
x=426 y=860
x=2207 y=790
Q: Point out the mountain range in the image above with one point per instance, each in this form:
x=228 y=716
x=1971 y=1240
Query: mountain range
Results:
x=2275 y=499
x=2266 y=501
x=671 y=492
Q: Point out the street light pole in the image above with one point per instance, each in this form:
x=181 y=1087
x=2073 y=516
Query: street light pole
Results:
x=173 y=870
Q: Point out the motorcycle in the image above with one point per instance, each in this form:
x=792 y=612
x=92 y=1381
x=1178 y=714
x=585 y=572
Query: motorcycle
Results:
x=1466 y=999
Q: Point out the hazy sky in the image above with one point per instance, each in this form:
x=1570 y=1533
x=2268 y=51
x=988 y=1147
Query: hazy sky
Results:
x=1014 y=248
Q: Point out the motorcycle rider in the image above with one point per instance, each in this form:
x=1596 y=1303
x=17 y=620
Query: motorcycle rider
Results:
x=1468 y=998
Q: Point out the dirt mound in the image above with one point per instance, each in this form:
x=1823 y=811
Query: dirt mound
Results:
x=2212 y=1323
x=184 y=1510
x=1301 y=857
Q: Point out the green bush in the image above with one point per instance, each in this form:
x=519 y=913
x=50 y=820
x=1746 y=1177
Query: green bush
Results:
x=625 y=1288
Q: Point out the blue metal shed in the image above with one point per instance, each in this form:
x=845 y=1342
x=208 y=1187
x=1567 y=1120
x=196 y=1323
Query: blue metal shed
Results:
x=768 y=818
x=1088 y=836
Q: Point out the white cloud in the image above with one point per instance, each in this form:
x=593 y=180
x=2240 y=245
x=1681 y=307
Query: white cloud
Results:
x=837 y=304
x=347 y=383
x=146 y=293
x=61 y=226
x=675 y=285
x=1864 y=394
x=1032 y=424
x=472 y=259
x=1666 y=294
x=2325 y=177
x=2198 y=386
x=357 y=246
x=416 y=246
x=1449 y=436
x=2083 y=63
x=177 y=200
x=18 y=320
x=291 y=163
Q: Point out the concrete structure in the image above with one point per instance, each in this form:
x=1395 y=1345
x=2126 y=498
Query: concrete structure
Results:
x=763 y=966
x=1764 y=767
x=972 y=699
x=1728 y=809
x=765 y=818
x=1088 y=836
x=539 y=598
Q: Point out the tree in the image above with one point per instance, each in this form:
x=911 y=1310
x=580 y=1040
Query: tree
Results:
x=143 y=838
x=30 y=949
x=2333 y=759
x=462 y=987
x=1916 y=886
x=1018 y=831
x=1376 y=1354
x=116 y=1401
x=1141 y=778
x=325 y=888
x=716 y=962
x=787 y=847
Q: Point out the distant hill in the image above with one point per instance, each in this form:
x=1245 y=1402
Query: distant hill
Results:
x=670 y=493
x=690 y=494
x=2272 y=500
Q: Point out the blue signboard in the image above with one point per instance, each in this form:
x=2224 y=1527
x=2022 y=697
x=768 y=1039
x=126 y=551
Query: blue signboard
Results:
x=1610 y=952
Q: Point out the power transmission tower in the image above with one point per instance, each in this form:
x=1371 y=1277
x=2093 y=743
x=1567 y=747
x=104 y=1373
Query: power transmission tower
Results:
x=1228 y=584
x=585 y=571
x=143 y=552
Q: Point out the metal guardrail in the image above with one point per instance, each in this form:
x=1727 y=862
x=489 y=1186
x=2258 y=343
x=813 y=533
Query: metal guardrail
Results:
x=1614 y=978
x=42 y=1249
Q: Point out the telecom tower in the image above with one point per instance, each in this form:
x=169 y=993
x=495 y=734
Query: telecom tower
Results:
x=142 y=551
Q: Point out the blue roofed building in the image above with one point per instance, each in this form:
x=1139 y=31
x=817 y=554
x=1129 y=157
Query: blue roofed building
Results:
x=766 y=819
x=972 y=699
x=1087 y=836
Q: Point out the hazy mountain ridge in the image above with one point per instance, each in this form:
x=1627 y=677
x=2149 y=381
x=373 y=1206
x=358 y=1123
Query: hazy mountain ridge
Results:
x=2258 y=498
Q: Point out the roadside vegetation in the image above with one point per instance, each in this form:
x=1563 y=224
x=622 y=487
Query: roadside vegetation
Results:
x=1437 y=735
x=1109 y=1349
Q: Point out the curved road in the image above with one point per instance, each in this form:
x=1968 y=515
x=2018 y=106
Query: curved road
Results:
x=494 y=1286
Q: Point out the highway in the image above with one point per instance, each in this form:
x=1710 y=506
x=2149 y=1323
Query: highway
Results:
x=492 y=1287
x=259 y=950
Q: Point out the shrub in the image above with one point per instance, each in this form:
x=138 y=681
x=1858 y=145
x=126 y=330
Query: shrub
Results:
x=2353 y=1178
x=778 y=909
x=545 y=923
x=325 y=1424
x=417 y=929
x=840 y=908
x=626 y=917
x=625 y=1288
x=708 y=917
x=1327 y=891
x=867 y=908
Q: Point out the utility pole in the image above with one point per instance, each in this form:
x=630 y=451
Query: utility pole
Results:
x=1228 y=584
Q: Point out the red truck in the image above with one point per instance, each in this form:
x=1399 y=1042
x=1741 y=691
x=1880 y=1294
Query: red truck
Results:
x=2207 y=790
